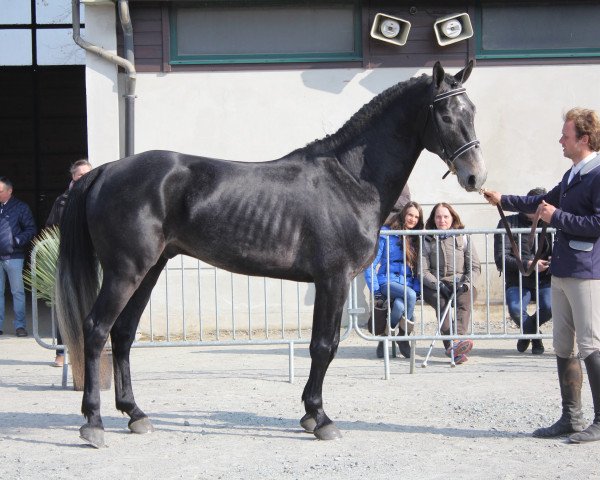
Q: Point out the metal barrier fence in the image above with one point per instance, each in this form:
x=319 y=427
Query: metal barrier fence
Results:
x=195 y=304
x=489 y=315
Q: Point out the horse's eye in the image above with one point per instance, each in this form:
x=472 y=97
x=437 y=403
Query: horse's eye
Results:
x=446 y=119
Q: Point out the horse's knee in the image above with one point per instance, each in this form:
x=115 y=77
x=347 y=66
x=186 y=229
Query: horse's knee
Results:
x=94 y=339
x=323 y=352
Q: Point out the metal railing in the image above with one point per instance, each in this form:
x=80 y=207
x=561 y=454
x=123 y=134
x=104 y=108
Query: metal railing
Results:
x=489 y=317
x=195 y=304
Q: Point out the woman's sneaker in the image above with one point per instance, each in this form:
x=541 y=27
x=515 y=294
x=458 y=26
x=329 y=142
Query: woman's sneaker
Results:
x=460 y=347
x=462 y=358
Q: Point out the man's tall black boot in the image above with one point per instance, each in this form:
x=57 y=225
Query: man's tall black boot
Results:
x=570 y=379
x=591 y=433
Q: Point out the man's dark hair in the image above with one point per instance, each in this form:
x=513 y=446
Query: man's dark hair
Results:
x=537 y=191
x=6 y=182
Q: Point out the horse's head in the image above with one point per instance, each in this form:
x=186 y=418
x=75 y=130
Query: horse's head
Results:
x=450 y=131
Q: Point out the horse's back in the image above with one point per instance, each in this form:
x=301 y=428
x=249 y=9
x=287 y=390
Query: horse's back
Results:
x=272 y=218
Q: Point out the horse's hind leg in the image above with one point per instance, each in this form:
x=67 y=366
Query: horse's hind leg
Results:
x=122 y=336
x=114 y=295
x=329 y=304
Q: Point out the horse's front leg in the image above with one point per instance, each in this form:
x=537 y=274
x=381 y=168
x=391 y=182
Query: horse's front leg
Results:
x=122 y=336
x=329 y=304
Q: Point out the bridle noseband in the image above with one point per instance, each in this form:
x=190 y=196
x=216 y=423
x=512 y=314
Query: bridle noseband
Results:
x=447 y=157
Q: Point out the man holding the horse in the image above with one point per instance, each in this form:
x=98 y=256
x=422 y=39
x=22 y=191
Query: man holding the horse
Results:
x=573 y=208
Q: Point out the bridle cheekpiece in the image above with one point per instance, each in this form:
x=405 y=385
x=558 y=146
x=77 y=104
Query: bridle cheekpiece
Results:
x=449 y=157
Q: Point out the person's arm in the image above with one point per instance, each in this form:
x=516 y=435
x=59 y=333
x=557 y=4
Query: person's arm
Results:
x=429 y=278
x=54 y=217
x=580 y=225
x=371 y=271
x=27 y=227
x=525 y=204
x=498 y=247
x=56 y=212
x=511 y=264
x=472 y=265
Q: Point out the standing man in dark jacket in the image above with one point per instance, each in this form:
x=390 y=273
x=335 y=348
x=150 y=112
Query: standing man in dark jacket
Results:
x=573 y=208
x=521 y=290
x=17 y=228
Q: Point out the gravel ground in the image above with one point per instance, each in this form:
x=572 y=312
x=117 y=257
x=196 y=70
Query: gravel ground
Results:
x=229 y=412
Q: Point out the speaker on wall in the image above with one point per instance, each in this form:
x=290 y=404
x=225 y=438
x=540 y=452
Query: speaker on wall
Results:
x=390 y=29
x=453 y=28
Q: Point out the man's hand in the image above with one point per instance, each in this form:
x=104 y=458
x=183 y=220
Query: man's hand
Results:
x=491 y=196
x=542 y=265
x=546 y=211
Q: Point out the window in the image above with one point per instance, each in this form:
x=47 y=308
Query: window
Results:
x=48 y=41
x=265 y=32
x=526 y=30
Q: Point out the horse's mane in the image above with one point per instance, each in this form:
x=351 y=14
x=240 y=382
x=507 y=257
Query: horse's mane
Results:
x=371 y=110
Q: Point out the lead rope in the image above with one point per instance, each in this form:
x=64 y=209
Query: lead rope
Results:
x=530 y=241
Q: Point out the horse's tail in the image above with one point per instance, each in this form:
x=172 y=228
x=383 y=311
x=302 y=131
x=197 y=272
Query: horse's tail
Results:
x=77 y=272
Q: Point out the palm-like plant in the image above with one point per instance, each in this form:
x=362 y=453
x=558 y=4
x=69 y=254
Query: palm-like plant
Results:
x=42 y=271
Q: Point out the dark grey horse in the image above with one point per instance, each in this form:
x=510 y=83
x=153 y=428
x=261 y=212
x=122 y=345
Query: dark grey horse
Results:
x=312 y=216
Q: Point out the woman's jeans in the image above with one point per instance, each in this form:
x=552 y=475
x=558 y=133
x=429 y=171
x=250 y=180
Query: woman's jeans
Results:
x=397 y=301
x=516 y=308
x=14 y=270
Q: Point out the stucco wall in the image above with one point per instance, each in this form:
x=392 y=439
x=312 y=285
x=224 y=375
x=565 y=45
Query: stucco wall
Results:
x=257 y=116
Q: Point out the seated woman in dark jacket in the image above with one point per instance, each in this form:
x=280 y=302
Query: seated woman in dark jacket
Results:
x=396 y=276
x=533 y=286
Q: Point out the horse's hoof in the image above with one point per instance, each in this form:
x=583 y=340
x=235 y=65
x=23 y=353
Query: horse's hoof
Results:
x=143 y=425
x=328 y=432
x=308 y=423
x=93 y=435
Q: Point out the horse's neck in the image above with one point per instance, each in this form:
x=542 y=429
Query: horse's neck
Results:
x=389 y=150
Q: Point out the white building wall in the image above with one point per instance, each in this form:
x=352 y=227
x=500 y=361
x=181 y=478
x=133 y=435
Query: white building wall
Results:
x=102 y=92
x=262 y=115
x=256 y=116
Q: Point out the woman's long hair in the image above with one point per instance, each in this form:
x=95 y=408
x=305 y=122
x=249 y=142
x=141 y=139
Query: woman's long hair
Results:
x=456 y=221
x=410 y=243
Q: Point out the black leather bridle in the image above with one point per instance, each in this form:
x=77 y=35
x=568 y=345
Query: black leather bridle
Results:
x=446 y=155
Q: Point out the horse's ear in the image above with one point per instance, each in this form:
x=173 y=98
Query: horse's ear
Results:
x=438 y=74
x=464 y=74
